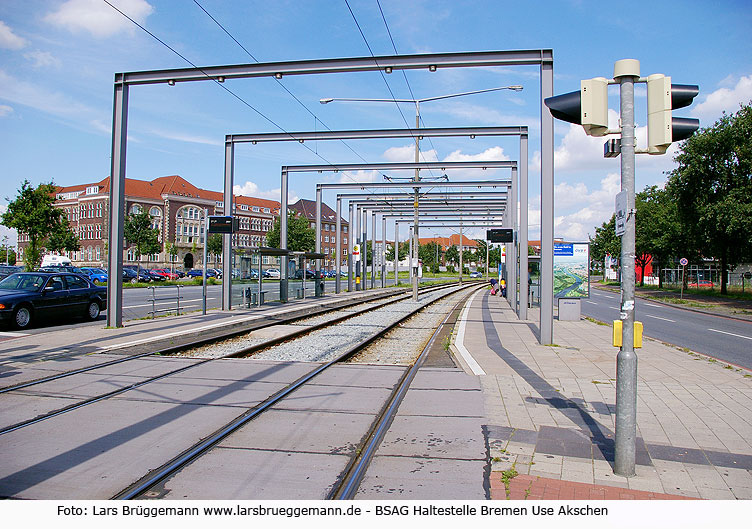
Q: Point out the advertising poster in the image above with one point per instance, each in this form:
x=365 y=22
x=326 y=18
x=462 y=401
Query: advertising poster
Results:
x=571 y=270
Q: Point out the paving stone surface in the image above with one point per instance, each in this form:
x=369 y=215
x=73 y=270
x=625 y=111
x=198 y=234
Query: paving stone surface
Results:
x=550 y=410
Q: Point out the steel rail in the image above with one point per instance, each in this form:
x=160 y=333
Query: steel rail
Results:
x=245 y=351
x=347 y=487
x=159 y=475
x=255 y=325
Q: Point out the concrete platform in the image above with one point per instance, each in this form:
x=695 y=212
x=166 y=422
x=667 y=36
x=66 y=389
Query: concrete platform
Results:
x=549 y=410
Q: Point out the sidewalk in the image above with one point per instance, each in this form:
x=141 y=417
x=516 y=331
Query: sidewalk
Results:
x=733 y=308
x=550 y=413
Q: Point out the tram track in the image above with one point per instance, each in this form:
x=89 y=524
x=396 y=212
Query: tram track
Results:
x=172 y=350
x=244 y=351
x=152 y=484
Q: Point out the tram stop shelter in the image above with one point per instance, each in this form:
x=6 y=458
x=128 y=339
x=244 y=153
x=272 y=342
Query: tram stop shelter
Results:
x=319 y=280
x=249 y=296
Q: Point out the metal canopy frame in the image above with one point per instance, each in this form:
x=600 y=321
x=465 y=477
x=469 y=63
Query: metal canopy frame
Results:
x=377 y=196
x=487 y=220
x=493 y=164
x=510 y=220
x=390 y=198
x=536 y=57
x=472 y=132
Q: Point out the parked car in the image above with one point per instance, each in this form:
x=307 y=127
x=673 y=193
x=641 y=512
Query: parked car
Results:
x=155 y=276
x=6 y=270
x=132 y=276
x=172 y=276
x=199 y=272
x=216 y=272
x=62 y=268
x=299 y=274
x=701 y=283
x=44 y=296
x=271 y=273
x=253 y=273
x=475 y=274
x=95 y=275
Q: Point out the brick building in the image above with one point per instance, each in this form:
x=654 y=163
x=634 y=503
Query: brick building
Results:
x=328 y=236
x=176 y=207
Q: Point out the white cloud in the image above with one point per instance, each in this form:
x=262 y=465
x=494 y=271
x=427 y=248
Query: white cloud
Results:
x=98 y=18
x=251 y=189
x=10 y=40
x=31 y=95
x=177 y=136
x=573 y=223
x=724 y=99
x=42 y=59
x=479 y=114
x=10 y=233
x=360 y=177
x=5 y=110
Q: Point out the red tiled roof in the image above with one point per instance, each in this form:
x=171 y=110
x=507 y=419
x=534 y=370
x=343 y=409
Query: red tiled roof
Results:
x=169 y=185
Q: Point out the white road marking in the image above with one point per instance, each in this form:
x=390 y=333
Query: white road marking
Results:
x=12 y=334
x=651 y=305
x=591 y=302
x=659 y=318
x=460 y=341
x=731 y=333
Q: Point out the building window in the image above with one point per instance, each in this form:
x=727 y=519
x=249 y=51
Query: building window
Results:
x=344 y=229
x=135 y=209
x=100 y=208
x=326 y=238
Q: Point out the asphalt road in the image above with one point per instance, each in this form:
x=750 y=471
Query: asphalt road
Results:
x=724 y=338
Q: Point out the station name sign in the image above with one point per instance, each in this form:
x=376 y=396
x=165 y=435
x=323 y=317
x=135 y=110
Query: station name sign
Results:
x=500 y=235
x=219 y=224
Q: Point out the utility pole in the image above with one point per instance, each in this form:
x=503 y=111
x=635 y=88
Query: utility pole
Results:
x=626 y=72
x=589 y=107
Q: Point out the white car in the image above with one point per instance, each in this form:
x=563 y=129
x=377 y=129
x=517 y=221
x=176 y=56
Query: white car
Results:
x=272 y=273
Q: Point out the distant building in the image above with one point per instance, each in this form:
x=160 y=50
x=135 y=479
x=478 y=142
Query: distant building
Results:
x=176 y=207
x=328 y=235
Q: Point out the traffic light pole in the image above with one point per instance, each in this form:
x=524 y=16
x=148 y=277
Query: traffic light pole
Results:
x=626 y=72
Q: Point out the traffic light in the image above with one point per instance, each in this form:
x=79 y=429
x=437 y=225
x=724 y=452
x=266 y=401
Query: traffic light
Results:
x=588 y=107
x=663 y=97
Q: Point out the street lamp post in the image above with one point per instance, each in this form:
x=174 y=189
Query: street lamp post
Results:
x=415 y=236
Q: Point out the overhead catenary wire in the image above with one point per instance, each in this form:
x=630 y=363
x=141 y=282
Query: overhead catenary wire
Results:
x=218 y=83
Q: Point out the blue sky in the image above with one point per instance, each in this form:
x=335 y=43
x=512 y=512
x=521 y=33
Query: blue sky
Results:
x=58 y=59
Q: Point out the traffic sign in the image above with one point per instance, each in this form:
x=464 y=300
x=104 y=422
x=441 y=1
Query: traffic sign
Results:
x=620 y=225
x=683 y=261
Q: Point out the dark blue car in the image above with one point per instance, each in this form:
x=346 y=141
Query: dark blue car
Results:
x=48 y=296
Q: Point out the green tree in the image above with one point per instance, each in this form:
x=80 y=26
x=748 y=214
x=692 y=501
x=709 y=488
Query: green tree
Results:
x=404 y=249
x=657 y=230
x=139 y=233
x=7 y=255
x=214 y=245
x=172 y=250
x=605 y=242
x=480 y=254
x=33 y=213
x=428 y=253
x=452 y=254
x=300 y=236
x=712 y=187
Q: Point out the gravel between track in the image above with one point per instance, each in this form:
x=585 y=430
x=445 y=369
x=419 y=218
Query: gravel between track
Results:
x=329 y=343
x=402 y=345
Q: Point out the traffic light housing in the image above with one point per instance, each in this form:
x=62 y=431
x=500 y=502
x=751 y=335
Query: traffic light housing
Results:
x=588 y=107
x=663 y=97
